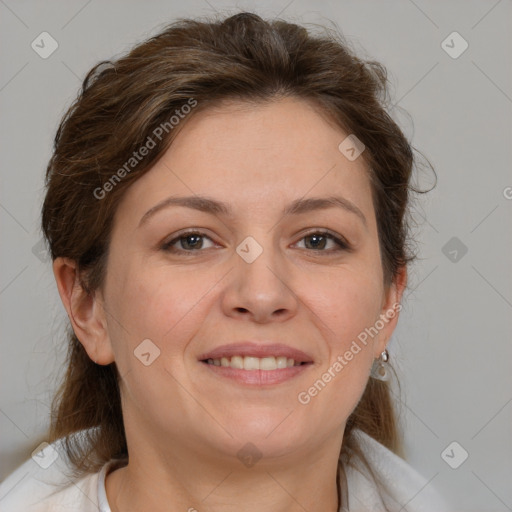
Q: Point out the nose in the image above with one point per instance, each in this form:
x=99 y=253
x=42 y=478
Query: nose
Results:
x=260 y=290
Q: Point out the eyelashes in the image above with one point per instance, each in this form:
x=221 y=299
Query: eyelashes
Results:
x=342 y=245
x=192 y=242
x=168 y=246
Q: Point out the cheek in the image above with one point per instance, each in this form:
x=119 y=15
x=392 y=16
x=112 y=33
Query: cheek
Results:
x=346 y=308
x=345 y=314
x=154 y=304
x=338 y=384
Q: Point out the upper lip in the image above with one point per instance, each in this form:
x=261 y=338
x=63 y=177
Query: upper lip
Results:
x=255 y=349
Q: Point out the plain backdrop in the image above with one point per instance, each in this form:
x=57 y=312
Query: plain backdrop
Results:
x=452 y=347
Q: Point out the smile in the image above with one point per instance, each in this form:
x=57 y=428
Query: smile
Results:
x=254 y=363
x=254 y=371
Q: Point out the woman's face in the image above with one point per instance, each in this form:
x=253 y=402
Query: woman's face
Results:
x=251 y=183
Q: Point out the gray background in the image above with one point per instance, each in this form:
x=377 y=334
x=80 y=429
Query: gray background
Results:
x=452 y=346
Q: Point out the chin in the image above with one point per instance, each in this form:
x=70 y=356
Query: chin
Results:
x=275 y=434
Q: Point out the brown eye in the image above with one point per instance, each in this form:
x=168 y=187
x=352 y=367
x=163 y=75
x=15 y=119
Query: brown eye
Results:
x=186 y=242
x=319 y=240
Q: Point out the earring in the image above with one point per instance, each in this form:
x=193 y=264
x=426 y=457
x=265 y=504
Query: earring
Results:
x=379 y=369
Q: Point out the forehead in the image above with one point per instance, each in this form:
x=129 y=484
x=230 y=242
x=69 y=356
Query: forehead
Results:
x=255 y=156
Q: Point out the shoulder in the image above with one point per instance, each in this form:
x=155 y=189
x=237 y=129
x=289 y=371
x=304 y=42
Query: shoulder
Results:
x=43 y=483
x=401 y=484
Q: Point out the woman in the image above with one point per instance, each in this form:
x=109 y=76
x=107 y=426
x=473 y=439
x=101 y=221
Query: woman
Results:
x=226 y=213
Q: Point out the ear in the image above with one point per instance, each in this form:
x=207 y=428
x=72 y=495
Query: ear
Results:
x=85 y=311
x=390 y=311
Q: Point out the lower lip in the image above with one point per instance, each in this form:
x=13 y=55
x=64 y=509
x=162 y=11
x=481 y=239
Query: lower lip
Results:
x=259 y=377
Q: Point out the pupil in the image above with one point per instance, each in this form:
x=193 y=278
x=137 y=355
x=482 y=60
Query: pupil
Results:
x=193 y=244
x=316 y=237
x=193 y=241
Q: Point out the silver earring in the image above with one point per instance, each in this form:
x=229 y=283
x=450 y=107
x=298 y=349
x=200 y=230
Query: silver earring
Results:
x=380 y=369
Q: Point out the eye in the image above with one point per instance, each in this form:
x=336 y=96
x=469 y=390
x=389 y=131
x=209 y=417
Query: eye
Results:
x=318 y=240
x=187 y=242
x=194 y=241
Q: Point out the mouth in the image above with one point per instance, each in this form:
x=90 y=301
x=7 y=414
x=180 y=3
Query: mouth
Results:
x=256 y=364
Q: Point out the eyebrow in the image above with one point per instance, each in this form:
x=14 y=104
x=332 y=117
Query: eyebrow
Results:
x=214 y=207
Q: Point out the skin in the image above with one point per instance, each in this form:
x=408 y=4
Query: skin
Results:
x=184 y=424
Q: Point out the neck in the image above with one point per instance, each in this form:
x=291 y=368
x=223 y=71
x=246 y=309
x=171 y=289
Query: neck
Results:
x=175 y=480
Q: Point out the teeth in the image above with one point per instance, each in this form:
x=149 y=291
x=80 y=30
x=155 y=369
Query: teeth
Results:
x=237 y=362
x=268 y=363
x=251 y=363
x=254 y=363
x=282 y=362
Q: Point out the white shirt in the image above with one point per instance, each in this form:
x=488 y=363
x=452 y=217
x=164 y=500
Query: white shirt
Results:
x=32 y=488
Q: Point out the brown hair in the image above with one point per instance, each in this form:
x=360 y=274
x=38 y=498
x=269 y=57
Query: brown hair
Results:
x=123 y=102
